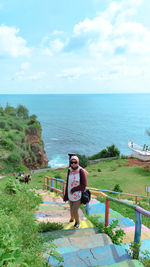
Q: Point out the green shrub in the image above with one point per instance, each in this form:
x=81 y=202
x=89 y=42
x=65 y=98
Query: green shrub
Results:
x=117 y=188
x=20 y=242
x=49 y=226
x=10 y=110
x=123 y=157
x=12 y=186
x=145 y=259
x=33 y=128
x=99 y=170
x=99 y=225
x=14 y=158
x=83 y=160
x=111 y=151
x=134 y=249
x=22 y=112
x=7 y=144
x=4 y=125
x=57 y=175
x=117 y=235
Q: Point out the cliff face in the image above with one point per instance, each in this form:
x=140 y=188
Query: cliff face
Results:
x=33 y=139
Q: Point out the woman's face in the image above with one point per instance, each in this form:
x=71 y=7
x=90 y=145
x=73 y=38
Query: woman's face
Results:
x=73 y=163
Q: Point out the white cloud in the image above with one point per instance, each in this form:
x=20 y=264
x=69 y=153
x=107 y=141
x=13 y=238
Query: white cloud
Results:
x=56 y=32
x=56 y=45
x=76 y=73
x=23 y=74
x=11 y=44
x=25 y=65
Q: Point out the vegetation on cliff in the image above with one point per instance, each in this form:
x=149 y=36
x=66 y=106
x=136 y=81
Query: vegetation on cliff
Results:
x=21 y=145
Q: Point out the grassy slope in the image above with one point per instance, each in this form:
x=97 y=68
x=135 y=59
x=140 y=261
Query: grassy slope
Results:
x=130 y=179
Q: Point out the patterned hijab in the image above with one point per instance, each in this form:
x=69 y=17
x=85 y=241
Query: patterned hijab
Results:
x=78 y=166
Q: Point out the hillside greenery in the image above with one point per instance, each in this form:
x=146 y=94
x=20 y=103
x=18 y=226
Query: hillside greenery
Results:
x=14 y=150
x=109 y=151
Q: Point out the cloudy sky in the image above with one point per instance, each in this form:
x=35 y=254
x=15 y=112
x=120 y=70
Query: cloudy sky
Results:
x=81 y=46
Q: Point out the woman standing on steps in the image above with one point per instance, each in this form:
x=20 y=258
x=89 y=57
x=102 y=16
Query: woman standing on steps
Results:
x=76 y=183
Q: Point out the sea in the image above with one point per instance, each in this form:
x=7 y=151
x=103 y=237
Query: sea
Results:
x=86 y=124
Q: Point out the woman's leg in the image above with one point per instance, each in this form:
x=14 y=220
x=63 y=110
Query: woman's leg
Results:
x=75 y=208
x=71 y=211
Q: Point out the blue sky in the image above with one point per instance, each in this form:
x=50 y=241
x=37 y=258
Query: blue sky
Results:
x=82 y=46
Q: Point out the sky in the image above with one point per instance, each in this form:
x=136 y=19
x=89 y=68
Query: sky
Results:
x=72 y=47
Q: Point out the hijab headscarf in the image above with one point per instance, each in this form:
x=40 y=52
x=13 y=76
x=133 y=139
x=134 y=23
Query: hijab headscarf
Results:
x=77 y=170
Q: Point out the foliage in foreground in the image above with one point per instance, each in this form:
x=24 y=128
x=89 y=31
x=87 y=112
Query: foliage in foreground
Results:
x=49 y=226
x=116 y=236
x=134 y=251
x=20 y=242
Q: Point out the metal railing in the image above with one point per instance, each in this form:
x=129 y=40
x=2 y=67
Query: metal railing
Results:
x=121 y=193
x=55 y=184
x=138 y=212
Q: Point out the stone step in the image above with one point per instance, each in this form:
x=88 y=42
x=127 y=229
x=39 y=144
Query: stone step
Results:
x=97 y=256
x=131 y=263
x=122 y=221
x=71 y=233
x=145 y=246
x=71 y=244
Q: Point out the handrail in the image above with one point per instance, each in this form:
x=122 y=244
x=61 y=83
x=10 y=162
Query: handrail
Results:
x=121 y=193
x=138 y=209
x=138 y=218
x=138 y=212
x=121 y=202
x=52 y=184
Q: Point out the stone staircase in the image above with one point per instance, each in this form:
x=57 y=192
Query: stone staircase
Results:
x=85 y=246
x=88 y=249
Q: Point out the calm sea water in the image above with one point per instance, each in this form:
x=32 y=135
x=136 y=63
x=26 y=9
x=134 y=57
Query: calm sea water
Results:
x=86 y=124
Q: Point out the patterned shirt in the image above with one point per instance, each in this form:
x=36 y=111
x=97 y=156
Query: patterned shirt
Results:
x=74 y=180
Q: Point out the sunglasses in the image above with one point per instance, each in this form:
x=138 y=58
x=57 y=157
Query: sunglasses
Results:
x=73 y=162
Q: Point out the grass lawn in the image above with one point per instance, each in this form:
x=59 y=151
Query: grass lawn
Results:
x=102 y=175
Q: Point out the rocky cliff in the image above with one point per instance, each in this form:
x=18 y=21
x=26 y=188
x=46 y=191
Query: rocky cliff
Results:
x=21 y=144
x=33 y=139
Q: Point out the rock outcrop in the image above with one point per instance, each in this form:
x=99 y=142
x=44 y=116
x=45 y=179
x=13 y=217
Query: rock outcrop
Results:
x=38 y=157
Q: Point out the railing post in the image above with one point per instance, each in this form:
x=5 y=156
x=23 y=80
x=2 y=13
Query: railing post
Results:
x=118 y=196
x=107 y=212
x=45 y=182
x=63 y=189
x=87 y=208
x=137 y=236
x=52 y=183
x=136 y=199
x=61 y=186
x=56 y=185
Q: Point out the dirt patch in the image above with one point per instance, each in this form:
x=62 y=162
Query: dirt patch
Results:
x=134 y=162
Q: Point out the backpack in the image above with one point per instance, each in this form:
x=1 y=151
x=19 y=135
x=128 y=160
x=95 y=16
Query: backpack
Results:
x=86 y=196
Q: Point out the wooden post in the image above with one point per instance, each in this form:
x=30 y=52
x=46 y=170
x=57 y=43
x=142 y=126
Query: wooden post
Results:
x=61 y=186
x=48 y=183
x=137 y=236
x=107 y=212
x=52 y=183
x=118 y=196
x=63 y=189
x=136 y=199
x=87 y=208
x=45 y=182
x=56 y=185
